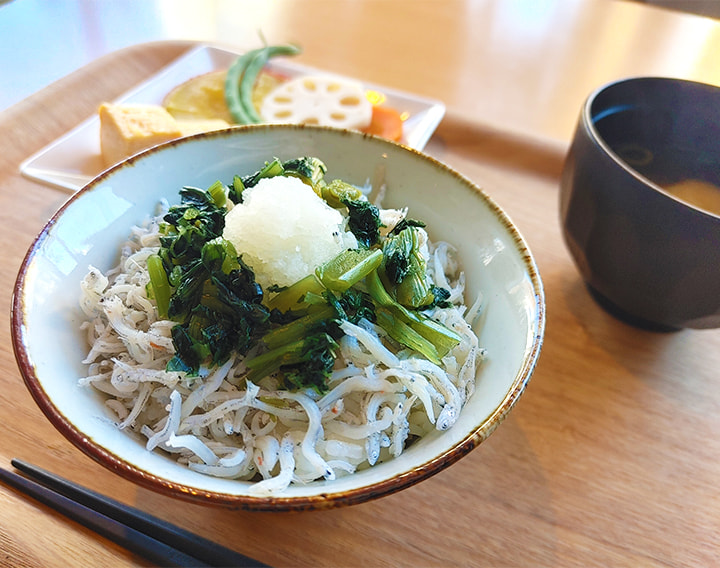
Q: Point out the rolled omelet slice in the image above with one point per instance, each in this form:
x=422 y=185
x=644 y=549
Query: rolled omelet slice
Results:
x=126 y=129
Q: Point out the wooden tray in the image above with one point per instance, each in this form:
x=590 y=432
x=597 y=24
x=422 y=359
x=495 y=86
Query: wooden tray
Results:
x=611 y=457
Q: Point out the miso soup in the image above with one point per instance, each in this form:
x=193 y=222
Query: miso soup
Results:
x=682 y=159
x=698 y=193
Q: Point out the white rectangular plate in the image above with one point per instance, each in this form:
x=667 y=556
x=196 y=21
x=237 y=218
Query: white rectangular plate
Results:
x=74 y=159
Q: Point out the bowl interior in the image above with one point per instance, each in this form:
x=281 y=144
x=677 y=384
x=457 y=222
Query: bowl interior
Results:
x=667 y=130
x=90 y=228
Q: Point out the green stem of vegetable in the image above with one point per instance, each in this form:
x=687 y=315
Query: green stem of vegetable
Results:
x=272 y=168
x=348 y=268
x=381 y=296
x=338 y=274
x=296 y=329
x=406 y=335
x=160 y=285
x=271 y=361
x=405 y=269
x=209 y=299
x=237 y=189
x=305 y=363
x=337 y=191
x=241 y=77
x=442 y=337
x=217 y=193
x=291 y=297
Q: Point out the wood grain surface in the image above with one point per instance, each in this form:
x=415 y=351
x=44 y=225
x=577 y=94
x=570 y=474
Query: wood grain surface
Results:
x=610 y=458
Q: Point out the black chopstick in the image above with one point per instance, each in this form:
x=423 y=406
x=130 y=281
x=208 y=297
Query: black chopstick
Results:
x=157 y=540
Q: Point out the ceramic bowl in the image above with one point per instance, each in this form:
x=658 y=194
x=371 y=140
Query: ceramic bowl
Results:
x=90 y=227
x=640 y=201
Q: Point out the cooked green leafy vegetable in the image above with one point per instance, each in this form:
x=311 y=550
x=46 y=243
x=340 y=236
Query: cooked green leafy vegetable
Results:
x=364 y=220
x=348 y=268
x=338 y=191
x=405 y=269
x=200 y=281
x=305 y=362
x=441 y=298
x=304 y=349
x=405 y=223
x=442 y=338
x=159 y=284
x=310 y=170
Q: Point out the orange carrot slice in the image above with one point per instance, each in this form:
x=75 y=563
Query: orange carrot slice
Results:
x=385 y=122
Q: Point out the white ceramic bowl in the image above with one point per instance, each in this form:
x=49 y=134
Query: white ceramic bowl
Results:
x=90 y=226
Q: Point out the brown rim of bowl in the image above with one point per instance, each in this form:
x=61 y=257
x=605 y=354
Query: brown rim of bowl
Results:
x=320 y=501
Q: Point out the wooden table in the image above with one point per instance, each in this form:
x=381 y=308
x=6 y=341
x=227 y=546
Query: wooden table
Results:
x=610 y=458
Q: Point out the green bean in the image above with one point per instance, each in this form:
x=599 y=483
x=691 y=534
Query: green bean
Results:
x=257 y=62
x=232 y=92
x=241 y=78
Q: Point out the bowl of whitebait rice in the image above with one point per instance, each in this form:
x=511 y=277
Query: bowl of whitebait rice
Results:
x=278 y=318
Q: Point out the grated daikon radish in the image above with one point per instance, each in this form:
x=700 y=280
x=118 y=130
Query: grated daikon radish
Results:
x=285 y=230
